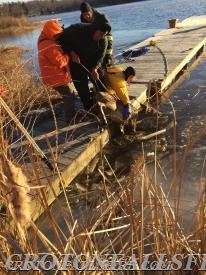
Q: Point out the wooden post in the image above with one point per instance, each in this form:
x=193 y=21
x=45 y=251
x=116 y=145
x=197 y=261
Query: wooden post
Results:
x=154 y=92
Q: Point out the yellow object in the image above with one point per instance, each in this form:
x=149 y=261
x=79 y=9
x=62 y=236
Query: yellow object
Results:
x=153 y=43
x=109 y=37
x=117 y=83
x=110 y=51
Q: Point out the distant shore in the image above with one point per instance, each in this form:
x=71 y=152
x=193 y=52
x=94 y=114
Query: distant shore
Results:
x=45 y=7
x=10 y=25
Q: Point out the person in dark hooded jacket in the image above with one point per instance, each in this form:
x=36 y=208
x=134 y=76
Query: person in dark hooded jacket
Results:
x=88 y=15
x=86 y=45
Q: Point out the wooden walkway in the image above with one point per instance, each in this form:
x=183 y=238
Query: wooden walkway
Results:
x=69 y=149
x=75 y=146
x=175 y=50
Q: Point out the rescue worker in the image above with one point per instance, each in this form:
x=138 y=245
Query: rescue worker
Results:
x=88 y=15
x=86 y=45
x=116 y=80
x=54 y=68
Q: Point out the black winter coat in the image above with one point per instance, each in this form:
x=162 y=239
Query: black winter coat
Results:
x=78 y=38
x=109 y=35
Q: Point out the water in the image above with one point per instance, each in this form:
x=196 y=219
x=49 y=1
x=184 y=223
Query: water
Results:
x=189 y=101
x=131 y=22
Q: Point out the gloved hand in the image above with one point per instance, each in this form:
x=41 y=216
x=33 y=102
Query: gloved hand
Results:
x=127 y=111
x=95 y=74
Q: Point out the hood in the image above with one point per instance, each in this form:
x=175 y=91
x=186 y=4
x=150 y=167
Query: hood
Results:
x=51 y=28
x=115 y=69
x=101 y=23
x=85 y=7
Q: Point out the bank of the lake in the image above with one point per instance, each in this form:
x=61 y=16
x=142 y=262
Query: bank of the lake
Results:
x=14 y=26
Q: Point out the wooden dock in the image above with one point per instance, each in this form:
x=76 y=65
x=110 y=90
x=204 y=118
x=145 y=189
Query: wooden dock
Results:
x=174 y=51
x=72 y=148
x=69 y=149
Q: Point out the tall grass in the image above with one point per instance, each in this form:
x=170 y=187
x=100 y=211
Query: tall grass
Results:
x=9 y=21
x=134 y=216
x=11 y=25
x=23 y=91
x=20 y=88
x=125 y=215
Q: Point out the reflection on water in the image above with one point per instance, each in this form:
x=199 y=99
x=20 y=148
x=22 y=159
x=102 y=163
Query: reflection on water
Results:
x=189 y=101
x=23 y=40
x=28 y=41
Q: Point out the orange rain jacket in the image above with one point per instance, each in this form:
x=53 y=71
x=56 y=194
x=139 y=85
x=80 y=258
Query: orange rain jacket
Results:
x=52 y=60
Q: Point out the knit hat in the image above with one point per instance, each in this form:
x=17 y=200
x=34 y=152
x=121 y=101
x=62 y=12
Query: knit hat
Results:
x=85 y=7
x=130 y=71
x=101 y=23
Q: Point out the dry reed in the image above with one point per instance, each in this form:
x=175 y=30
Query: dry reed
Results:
x=16 y=186
x=10 y=25
x=132 y=217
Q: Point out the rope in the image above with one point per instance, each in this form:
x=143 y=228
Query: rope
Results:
x=91 y=75
x=154 y=44
x=142 y=51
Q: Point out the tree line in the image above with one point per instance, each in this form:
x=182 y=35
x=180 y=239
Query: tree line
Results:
x=43 y=7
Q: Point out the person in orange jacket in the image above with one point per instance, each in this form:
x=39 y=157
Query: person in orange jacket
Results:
x=54 y=66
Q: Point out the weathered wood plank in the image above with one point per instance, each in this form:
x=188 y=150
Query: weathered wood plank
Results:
x=182 y=63
x=71 y=171
x=179 y=46
x=68 y=131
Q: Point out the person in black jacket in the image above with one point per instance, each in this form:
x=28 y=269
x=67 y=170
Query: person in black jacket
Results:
x=88 y=15
x=86 y=45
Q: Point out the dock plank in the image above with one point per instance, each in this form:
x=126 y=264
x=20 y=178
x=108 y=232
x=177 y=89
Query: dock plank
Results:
x=179 y=46
x=74 y=167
